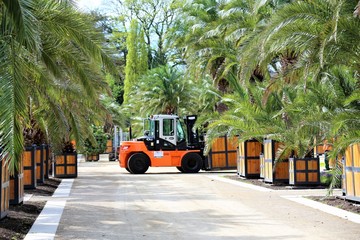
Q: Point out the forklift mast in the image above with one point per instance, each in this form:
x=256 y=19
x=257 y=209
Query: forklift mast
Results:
x=193 y=138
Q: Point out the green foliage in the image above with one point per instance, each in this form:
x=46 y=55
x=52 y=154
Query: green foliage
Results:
x=136 y=61
x=117 y=88
x=97 y=144
x=166 y=90
x=310 y=46
x=143 y=56
x=331 y=178
x=51 y=70
x=131 y=72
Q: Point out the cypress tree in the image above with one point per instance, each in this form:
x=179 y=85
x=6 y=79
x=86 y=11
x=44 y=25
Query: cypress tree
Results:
x=143 y=58
x=131 y=60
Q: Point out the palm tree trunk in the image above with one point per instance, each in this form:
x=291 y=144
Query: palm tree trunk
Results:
x=357 y=10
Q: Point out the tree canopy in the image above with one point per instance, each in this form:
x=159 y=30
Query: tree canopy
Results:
x=285 y=70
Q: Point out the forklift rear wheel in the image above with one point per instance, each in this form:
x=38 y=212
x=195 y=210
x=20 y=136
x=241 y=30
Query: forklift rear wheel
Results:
x=138 y=163
x=191 y=163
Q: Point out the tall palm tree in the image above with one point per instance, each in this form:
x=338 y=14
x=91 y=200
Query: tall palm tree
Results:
x=168 y=90
x=203 y=41
x=52 y=55
x=316 y=37
x=321 y=34
x=18 y=40
x=223 y=38
x=164 y=90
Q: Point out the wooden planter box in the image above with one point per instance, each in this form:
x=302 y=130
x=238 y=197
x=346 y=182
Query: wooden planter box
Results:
x=29 y=162
x=39 y=159
x=17 y=186
x=304 y=171
x=5 y=189
x=249 y=158
x=351 y=183
x=222 y=154
x=109 y=146
x=92 y=157
x=50 y=161
x=262 y=165
x=65 y=166
x=321 y=149
x=274 y=171
x=45 y=154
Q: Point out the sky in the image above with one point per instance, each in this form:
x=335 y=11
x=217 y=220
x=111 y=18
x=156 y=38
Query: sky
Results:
x=88 y=5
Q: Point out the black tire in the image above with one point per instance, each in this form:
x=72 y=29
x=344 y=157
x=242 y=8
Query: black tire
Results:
x=138 y=163
x=127 y=169
x=191 y=163
x=180 y=169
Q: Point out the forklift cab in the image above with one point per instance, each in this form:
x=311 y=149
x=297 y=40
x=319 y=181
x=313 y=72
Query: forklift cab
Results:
x=164 y=132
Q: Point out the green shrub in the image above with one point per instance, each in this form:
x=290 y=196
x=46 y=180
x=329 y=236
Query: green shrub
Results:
x=98 y=145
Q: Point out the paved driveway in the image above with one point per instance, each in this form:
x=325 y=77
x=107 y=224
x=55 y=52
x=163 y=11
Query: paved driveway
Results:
x=106 y=202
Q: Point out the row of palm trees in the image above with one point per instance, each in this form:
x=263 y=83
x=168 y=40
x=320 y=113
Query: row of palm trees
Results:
x=51 y=74
x=288 y=70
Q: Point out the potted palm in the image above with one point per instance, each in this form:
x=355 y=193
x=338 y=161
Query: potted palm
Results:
x=96 y=145
x=65 y=164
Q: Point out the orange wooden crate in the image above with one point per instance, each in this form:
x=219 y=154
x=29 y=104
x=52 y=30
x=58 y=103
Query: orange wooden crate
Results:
x=249 y=158
x=109 y=146
x=5 y=189
x=222 y=154
x=274 y=171
x=46 y=160
x=17 y=185
x=65 y=165
x=304 y=171
x=39 y=159
x=92 y=157
x=28 y=158
x=352 y=172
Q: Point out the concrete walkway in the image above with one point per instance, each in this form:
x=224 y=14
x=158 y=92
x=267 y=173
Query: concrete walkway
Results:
x=105 y=202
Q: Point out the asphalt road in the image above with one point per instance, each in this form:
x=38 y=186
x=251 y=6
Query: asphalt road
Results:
x=106 y=202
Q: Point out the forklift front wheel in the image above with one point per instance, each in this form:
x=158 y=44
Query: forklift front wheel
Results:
x=138 y=163
x=191 y=163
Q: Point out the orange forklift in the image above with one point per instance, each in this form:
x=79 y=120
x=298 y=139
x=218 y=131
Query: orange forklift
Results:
x=165 y=144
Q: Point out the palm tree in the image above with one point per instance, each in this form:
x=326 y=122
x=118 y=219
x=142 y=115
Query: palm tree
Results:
x=357 y=10
x=322 y=37
x=167 y=90
x=223 y=38
x=307 y=45
x=18 y=41
x=249 y=117
x=203 y=41
x=164 y=90
x=51 y=55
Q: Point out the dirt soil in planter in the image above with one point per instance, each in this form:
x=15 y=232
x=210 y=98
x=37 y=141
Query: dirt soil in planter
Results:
x=334 y=201
x=21 y=217
x=338 y=202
